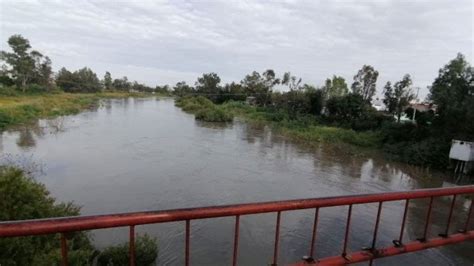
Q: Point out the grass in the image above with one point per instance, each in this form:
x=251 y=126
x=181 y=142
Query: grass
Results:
x=23 y=108
x=203 y=109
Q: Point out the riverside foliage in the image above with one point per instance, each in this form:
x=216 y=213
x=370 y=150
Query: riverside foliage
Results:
x=22 y=197
x=332 y=113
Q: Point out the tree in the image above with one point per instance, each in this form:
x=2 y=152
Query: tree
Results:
x=65 y=79
x=122 y=84
x=208 y=85
x=291 y=81
x=453 y=93
x=22 y=61
x=233 y=91
x=260 y=86
x=402 y=95
x=44 y=73
x=346 y=108
x=108 y=80
x=365 y=82
x=165 y=89
x=335 y=87
x=82 y=80
x=316 y=99
x=389 y=99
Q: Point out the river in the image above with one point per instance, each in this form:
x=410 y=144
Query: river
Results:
x=146 y=154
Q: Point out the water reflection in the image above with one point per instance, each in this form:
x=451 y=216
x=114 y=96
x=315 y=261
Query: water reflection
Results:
x=142 y=154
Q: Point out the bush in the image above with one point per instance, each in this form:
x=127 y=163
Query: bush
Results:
x=431 y=152
x=214 y=114
x=21 y=197
x=8 y=91
x=146 y=253
x=371 y=120
x=204 y=109
x=5 y=119
x=36 y=89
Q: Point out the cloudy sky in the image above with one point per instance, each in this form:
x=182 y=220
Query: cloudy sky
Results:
x=162 y=42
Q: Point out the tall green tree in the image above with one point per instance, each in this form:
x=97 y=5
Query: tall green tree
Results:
x=122 y=84
x=335 y=87
x=26 y=66
x=182 y=89
x=453 y=93
x=291 y=81
x=389 y=99
x=65 y=79
x=260 y=86
x=365 y=82
x=402 y=95
x=108 y=80
x=208 y=85
x=82 y=80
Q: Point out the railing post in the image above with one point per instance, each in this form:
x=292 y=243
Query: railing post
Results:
x=131 y=245
x=346 y=236
x=427 y=223
x=399 y=242
x=64 y=260
x=315 y=228
x=468 y=217
x=377 y=222
x=236 y=240
x=446 y=231
x=277 y=239
x=186 y=251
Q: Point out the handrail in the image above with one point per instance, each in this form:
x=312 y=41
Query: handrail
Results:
x=132 y=219
x=79 y=223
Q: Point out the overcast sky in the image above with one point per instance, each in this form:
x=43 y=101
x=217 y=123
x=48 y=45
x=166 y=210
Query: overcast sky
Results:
x=163 y=42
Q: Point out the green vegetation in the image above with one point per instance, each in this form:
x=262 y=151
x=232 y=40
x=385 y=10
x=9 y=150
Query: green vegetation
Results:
x=22 y=197
x=23 y=108
x=204 y=109
x=146 y=253
x=30 y=90
x=333 y=114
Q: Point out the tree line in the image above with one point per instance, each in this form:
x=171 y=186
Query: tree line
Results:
x=28 y=70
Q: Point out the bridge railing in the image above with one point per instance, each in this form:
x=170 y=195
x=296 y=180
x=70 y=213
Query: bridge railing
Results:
x=133 y=219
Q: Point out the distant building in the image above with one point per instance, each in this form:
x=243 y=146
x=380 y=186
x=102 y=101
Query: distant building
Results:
x=423 y=106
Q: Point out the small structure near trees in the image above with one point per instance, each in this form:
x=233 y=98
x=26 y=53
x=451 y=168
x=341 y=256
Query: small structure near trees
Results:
x=463 y=153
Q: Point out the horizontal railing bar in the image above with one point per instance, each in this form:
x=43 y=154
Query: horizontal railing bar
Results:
x=68 y=224
x=361 y=256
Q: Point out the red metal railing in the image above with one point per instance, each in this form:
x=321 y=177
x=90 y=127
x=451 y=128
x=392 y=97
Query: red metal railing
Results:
x=71 y=224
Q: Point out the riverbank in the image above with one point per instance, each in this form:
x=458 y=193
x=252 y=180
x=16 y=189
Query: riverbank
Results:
x=15 y=110
x=303 y=129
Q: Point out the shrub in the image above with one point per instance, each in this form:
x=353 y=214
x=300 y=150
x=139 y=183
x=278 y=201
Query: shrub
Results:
x=5 y=119
x=431 y=152
x=8 y=91
x=204 y=109
x=145 y=254
x=214 y=114
x=21 y=197
x=35 y=89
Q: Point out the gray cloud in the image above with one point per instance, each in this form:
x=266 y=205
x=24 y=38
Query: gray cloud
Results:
x=160 y=42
